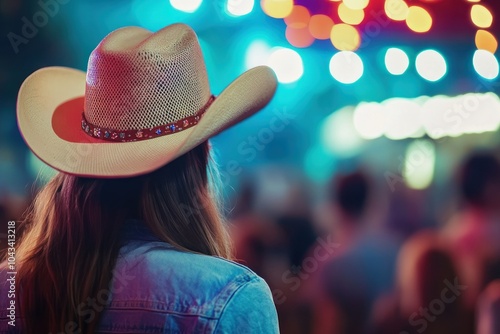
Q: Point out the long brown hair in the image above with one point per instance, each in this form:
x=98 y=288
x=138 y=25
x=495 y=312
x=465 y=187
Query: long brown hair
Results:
x=72 y=239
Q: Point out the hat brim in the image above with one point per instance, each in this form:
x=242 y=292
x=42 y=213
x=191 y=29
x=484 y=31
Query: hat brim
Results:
x=50 y=105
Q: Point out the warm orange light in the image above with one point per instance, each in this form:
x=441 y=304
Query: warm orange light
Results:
x=350 y=16
x=481 y=16
x=320 y=26
x=277 y=8
x=298 y=18
x=299 y=37
x=396 y=10
x=345 y=37
x=356 y=4
x=418 y=20
x=486 y=41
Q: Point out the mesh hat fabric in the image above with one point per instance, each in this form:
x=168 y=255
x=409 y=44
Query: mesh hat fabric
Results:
x=135 y=79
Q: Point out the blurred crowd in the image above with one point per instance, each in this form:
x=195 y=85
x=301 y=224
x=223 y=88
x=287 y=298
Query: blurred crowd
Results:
x=360 y=261
x=360 y=257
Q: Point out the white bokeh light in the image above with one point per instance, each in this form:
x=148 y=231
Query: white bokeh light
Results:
x=369 y=120
x=339 y=135
x=346 y=67
x=239 y=7
x=485 y=64
x=257 y=54
x=431 y=65
x=402 y=117
x=188 y=6
x=419 y=164
x=287 y=64
x=396 y=61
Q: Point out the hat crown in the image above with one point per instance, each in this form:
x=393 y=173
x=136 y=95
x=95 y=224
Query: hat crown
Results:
x=138 y=80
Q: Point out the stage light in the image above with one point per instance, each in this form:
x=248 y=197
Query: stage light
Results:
x=402 y=118
x=396 y=61
x=257 y=54
x=485 y=64
x=298 y=18
x=418 y=20
x=320 y=26
x=356 y=4
x=481 y=16
x=430 y=65
x=346 y=67
x=188 y=6
x=339 y=135
x=345 y=37
x=287 y=64
x=419 y=162
x=349 y=15
x=486 y=41
x=239 y=7
x=369 y=120
x=299 y=37
x=277 y=8
x=396 y=10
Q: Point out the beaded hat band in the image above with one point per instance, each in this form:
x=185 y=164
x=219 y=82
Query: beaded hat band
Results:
x=144 y=134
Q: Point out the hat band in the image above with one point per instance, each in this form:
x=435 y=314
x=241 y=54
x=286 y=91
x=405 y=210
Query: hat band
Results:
x=143 y=134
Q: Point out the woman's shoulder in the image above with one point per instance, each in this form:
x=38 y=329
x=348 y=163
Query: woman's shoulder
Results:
x=159 y=267
x=161 y=279
x=161 y=256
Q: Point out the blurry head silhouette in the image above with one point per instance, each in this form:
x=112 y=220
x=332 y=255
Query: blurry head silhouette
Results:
x=349 y=192
x=479 y=180
x=425 y=269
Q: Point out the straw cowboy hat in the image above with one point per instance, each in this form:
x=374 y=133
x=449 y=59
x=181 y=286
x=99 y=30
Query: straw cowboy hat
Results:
x=144 y=101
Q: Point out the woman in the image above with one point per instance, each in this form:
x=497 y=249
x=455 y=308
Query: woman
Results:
x=127 y=238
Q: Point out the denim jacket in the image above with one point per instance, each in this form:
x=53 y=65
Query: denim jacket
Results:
x=158 y=289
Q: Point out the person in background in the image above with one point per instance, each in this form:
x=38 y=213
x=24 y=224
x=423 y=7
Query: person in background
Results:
x=429 y=295
x=488 y=310
x=475 y=230
x=127 y=237
x=361 y=267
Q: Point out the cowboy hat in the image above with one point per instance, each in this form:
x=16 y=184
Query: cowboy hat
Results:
x=144 y=101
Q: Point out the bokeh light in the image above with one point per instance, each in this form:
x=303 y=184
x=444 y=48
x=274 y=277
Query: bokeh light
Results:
x=431 y=65
x=486 y=41
x=402 y=118
x=356 y=4
x=188 y=6
x=418 y=19
x=396 y=61
x=277 y=8
x=350 y=16
x=287 y=64
x=345 y=37
x=239 y=7
x=339 y=135
x=396 y=10
x=257 y=54
x=419 y=164
x=299 y=37
x=346 y=67
x=481 y=16
x=369 y=120
x=320 y=26
x=298 y=18
x=486 y=64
